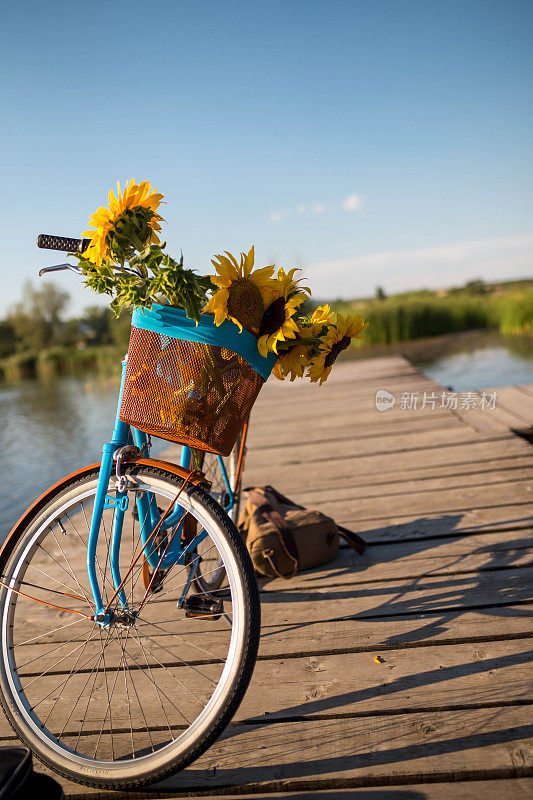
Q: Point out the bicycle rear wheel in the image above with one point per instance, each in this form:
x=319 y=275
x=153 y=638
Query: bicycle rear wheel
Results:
x=128 y=704
x=210 y=574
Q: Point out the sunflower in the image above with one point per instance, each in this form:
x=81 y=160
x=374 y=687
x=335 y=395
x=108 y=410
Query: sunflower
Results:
x=130 y=222
x=312 y=326
x=243 y=292
x=336 y=340
x=278 y=323
x=293 y=361
x=292 y=364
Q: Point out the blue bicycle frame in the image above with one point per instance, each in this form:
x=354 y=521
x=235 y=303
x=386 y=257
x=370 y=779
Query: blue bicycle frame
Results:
x=148 y=512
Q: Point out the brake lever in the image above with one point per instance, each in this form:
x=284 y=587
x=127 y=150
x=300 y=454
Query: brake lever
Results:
x=59 y=267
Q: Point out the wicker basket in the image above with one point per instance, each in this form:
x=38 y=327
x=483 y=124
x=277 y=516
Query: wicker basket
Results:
x=192 y=384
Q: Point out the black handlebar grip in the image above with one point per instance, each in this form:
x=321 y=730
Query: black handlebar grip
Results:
x=48 y=242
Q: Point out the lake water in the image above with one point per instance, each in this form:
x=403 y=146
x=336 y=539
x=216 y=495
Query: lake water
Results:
x=493 y=363
x=51 y=428
x=48 y=430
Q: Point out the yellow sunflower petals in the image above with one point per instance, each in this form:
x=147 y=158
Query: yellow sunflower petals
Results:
x=248 y=262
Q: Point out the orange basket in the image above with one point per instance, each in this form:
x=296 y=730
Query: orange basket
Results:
x=188 y=383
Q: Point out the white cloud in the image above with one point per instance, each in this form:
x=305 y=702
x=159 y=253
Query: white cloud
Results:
x=352 y=203
x=429 y=267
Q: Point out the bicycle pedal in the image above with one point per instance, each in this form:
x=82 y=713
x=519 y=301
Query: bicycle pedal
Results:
x=203 y=607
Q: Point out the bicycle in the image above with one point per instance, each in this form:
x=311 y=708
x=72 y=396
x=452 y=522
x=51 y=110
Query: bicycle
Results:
x=112 y=608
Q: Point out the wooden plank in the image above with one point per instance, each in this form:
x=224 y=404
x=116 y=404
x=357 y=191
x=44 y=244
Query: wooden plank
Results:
x=340 y=506
x=359 y=395
x=359 y=410
x=405 y=681
x=451 y=546
x=292 y=438
x=512 y=789
x=429 y=477
x=350 y=465
x=513 y=410
x=428 y=744
x=439 y=597
x=441 y=522
x=497 y=673
x=320 y=754
x=378 y=635
x=490 y=422
x=352 y=447
x=351 y=635
x=437 y=600
x=289 y=433
x=514 y=401
x=510 y=477
x=349 y=371
x=349 y=568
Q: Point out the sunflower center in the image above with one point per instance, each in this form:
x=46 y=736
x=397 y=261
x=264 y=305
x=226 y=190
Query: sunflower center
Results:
x=245 y=303
x=273 y=318
x=337 y=348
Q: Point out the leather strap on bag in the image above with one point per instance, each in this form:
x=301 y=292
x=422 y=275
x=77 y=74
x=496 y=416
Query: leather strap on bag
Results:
x=355 y=541
x=266 y=510
x=281 y=497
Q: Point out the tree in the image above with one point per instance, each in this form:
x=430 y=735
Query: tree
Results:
x=380 y=293
x=476 y=286
x=36 y=320
x=95 y=324
x=8 y=339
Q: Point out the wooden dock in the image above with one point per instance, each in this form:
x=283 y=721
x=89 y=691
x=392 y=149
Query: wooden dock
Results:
x=444 y=497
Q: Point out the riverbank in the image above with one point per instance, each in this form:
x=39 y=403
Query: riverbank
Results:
x=432 y=347
x=99 y=366
x=406 y=324
x=102 y=359
x=418 y=315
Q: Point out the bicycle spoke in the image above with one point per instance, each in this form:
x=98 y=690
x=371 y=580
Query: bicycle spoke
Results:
x=139 y=640
x=49 y=652
x=108 y=705
x=67 y=680
x=70 y=568
x=48 y=632
x=137 y=696
x=94 y=670
x=50 y=577
x=166 y=696
x=174 y=656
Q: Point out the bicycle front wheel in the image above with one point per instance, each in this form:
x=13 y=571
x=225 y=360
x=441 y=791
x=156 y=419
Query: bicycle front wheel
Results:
x=128 y=704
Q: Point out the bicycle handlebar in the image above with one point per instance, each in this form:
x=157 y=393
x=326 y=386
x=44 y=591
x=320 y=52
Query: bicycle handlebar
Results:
x=59 y=267
x=47 y=241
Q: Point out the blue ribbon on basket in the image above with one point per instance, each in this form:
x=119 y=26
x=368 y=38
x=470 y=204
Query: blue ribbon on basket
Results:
x=173 y=322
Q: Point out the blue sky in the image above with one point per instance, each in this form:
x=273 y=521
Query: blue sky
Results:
x=371 y=143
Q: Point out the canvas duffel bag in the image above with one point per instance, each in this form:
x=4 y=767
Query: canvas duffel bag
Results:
x=283 y=537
